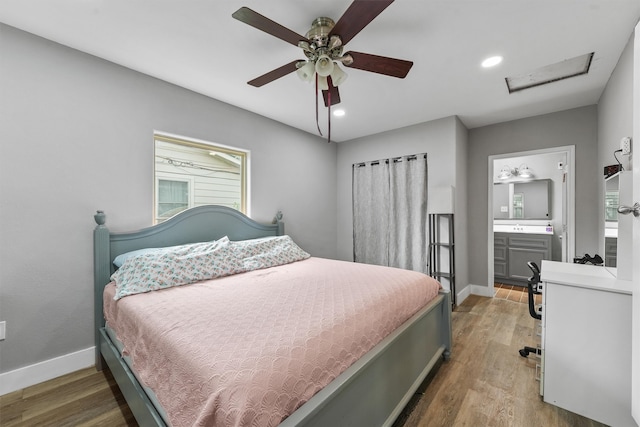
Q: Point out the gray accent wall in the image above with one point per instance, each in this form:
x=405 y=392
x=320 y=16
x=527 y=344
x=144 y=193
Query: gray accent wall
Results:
x=76 y=135
x=570 y=127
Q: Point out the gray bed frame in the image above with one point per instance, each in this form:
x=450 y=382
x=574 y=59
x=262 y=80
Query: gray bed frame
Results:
x=371 y=392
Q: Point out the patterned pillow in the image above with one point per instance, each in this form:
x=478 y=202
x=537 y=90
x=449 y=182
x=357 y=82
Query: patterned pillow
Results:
x=268 y=252
x=149 y=271
x=183 y=265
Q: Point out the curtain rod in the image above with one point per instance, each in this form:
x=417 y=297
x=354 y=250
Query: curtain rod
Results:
x=394 y=159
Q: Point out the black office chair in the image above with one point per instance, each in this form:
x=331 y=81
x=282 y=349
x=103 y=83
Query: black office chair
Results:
x=532 y=290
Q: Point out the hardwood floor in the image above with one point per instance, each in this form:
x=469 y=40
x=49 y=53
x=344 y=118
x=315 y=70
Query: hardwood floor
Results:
x=485 y=383
x=86 y=398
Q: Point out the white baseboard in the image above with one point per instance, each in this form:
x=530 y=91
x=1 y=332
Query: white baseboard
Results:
x=483 y=291
x=44 y=371
x=462 y=295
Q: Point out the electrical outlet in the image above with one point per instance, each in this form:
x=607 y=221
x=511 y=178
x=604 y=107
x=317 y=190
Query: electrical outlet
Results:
x=3 y=329
x=625 y=145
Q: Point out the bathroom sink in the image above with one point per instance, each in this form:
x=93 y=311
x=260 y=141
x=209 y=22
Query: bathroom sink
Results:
x=525 y=229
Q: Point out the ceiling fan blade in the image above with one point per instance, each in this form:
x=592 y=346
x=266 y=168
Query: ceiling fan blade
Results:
x=380 y=64
x=250 y=17
x=275 y=74
x=335 y=95
x=358 y=16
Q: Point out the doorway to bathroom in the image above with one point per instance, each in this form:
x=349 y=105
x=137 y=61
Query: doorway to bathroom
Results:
x=532 y=204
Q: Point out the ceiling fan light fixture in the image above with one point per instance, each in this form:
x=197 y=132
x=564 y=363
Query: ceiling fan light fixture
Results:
x=304 y=45
x=306 y=71
x=324 y=65
x=338 y=76
x=345 y=59
x=334 y=42
x=322 y=83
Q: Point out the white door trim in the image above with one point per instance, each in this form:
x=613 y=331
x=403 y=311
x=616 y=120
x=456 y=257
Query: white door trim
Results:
x=569 y=235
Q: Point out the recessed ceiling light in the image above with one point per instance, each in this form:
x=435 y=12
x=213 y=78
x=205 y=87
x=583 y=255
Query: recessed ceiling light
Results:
x=339 y=113
x=492 y=61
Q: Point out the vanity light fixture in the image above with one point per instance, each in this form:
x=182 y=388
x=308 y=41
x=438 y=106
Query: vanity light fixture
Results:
x=522 y=172
x=525 y=172
x=505 y=173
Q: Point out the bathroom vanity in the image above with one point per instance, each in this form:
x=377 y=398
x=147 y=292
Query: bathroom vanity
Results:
x=522 y=230
x=586 y=342
x=514 y=246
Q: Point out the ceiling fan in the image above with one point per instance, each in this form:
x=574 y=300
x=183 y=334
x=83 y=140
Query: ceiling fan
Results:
x=323 y=48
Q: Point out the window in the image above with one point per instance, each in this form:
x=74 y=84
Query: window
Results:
x=173 y=197
x=192 y=173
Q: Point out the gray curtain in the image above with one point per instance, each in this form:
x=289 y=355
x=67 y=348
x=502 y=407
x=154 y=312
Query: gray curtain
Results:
x=390 y=212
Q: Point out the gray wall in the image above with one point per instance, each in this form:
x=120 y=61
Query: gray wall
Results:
x=76 y=135
x=443 y=140
x=571 y=127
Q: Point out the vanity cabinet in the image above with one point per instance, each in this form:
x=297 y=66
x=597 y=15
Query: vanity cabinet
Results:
x=500 y=270
x=512 y=251
x=586 y=342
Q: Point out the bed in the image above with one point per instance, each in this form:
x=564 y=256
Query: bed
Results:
x=372 y=390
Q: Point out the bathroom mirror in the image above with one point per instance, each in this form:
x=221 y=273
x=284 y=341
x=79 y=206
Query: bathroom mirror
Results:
x=522 y=200
x=611 y=202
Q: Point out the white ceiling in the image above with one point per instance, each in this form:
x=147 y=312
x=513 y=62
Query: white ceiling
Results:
x=196 y=44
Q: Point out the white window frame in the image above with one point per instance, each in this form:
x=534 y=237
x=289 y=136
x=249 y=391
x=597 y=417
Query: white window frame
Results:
x=243 y=154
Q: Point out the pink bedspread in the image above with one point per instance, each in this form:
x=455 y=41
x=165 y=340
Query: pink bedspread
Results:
x=249 y=349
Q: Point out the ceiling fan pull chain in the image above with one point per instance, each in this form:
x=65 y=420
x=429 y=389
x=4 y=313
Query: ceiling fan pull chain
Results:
x=329 y=120
x=317 y=120
x=330 y=83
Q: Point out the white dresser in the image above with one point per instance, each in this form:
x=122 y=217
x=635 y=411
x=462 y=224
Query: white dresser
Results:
x=586 y=342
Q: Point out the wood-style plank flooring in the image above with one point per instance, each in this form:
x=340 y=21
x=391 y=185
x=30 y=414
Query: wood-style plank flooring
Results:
x=86 y=398
x=485 y=383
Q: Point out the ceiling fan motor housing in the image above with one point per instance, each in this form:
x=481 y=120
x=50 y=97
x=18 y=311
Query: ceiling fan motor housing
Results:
x=320 y=42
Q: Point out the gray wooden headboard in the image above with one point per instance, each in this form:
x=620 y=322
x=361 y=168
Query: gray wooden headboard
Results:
x=199 y=224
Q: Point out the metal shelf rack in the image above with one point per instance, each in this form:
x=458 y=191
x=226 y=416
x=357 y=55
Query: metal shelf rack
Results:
x=442 y=263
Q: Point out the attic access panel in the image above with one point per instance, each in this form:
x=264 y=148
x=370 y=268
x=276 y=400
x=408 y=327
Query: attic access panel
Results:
x=551 y=73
